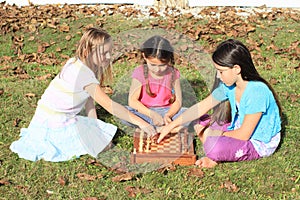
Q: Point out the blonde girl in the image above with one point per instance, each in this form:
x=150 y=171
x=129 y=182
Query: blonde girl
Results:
x=56 y=131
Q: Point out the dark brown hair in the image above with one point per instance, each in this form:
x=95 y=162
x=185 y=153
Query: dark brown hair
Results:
x=161 y=49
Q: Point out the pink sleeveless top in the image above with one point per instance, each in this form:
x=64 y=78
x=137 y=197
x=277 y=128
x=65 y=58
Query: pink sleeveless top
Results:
x=162 y=88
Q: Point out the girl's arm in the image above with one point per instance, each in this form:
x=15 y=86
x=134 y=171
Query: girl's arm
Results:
x=90 y=108
x=246 y=129
x=133 y=98
x=176 y=105
x=117 y=109
x=134 y=102
x=189 y=115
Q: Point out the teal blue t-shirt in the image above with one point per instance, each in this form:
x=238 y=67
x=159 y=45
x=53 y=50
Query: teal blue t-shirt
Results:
x=257 y=97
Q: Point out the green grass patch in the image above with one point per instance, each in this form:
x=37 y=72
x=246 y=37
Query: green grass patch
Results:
x=275 y=177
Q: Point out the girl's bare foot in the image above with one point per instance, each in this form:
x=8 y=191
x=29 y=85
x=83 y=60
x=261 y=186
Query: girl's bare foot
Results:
x=206 y=162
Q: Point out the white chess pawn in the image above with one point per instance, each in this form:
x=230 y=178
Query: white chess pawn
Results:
x=148 y=144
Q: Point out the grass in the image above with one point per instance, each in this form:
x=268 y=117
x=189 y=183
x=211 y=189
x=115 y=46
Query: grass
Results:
x=275 y=177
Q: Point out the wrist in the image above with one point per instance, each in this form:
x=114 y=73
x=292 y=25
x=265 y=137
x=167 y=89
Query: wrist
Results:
x=168 y=115
x=151 y=113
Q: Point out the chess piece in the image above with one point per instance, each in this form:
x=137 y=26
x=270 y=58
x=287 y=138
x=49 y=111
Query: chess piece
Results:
x=141 y=143
x=134 y=155
x=148 y=144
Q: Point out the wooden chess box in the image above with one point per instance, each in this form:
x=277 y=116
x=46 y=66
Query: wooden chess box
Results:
x=176 y=148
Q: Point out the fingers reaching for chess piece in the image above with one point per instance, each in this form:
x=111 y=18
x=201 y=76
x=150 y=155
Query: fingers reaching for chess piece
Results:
x=154 y=138
x=163 y=133
x=150 y=130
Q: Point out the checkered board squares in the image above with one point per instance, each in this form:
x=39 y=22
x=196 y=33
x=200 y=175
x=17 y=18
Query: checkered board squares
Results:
x=177 y=148
x=170 y=144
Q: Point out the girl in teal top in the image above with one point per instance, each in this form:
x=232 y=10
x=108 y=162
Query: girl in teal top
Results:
x=254 y=130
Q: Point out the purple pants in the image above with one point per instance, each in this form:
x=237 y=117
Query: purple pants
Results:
x=222 y=148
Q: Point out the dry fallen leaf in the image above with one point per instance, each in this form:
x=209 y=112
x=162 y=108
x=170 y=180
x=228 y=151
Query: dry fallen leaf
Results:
x=16 y=122
x=294 y=97
x=123 y=177
x=41 y=49
x=86 y=177
x=64 y=28
x=62 y=181
x=167 y=167
x=31 y=38
x=58 y=49
x=133 y=191
x=273 y=81
x=4 y=182
x=19 y=70
x=196 y=172
x=220 y=20
x=90 y=198
x=268 y=67
x=23 y=189
x=231 y=187
x=30 y=95
x=93 y=162
x=44 y=77
x=68 y=37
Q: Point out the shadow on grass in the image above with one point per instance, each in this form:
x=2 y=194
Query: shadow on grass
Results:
x=284 y=123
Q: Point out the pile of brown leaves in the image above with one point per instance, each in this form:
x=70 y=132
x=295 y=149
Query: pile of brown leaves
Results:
x=225 y=21
x=222 y=21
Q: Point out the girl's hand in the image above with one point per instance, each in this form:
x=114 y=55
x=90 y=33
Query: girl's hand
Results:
x=167 y=119
x=156 y=118
x=163 y=132
x=149 y=130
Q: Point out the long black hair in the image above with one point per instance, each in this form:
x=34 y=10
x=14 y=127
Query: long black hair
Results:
x=233 y=52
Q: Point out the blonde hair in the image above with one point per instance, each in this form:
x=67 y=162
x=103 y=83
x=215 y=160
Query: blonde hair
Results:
x=93 y=41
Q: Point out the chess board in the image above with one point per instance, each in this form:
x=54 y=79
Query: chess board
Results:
x=177 y=148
